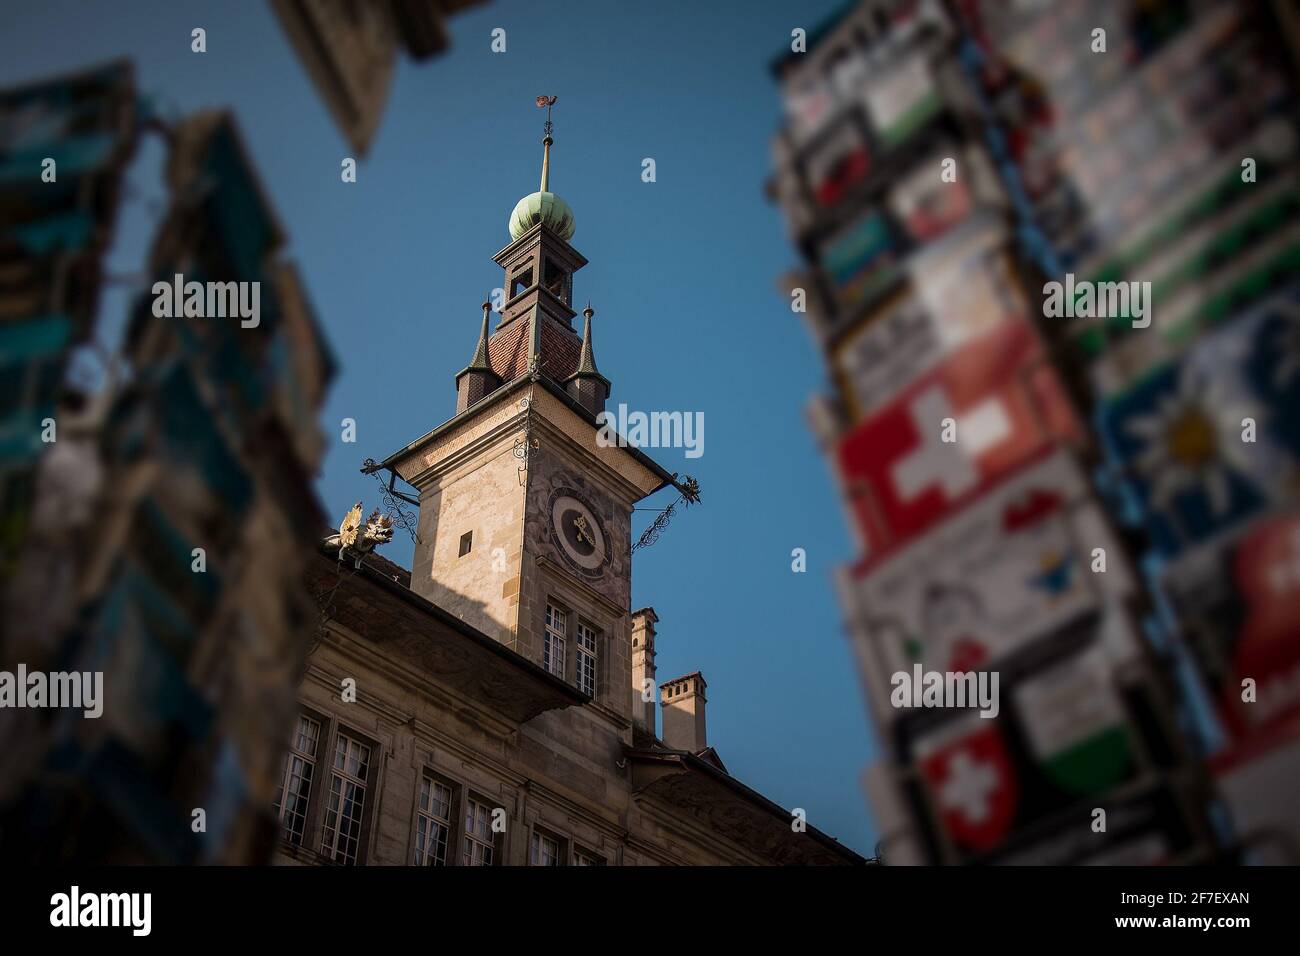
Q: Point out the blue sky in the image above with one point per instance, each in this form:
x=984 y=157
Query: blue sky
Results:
x=682 y=275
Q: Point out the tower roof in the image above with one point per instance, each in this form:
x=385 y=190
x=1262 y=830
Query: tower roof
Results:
x=587 y=361
x=544 y=207
x=510 y=349
x=586 y=358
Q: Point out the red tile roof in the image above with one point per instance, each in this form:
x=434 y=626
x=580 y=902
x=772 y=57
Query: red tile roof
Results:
x=508 y=349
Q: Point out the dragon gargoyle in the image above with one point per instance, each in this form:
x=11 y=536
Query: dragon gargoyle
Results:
x=357 y=539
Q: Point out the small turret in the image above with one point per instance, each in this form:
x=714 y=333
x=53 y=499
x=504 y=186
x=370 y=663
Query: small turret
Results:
x=476 y=380
x=587 y=386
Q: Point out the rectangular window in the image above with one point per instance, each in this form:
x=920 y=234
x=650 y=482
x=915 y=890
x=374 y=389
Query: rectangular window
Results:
x=466 y=542
x=553 y=640
x=478 y=834
x=545 y=850
x=433 y=823
x=295 y=779
x=557 y=282
x=522 y=280
x=585 y=661
x=347 y=798
x=583 y=857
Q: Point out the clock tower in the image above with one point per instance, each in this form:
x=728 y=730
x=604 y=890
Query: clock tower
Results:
x=525 y=518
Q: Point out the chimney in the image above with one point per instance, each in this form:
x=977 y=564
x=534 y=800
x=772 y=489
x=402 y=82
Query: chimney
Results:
x=683 y=705
x=643 y=668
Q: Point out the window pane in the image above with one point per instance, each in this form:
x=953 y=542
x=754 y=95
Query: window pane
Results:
x=433 y=823
x=292 y=805
x=478 y=835
x=585 y=661
x=306 y=735
x=553 y=640
x=341 y=837
x=545 y=851
x=553 y=654
x=291 y=795
x=441 y=804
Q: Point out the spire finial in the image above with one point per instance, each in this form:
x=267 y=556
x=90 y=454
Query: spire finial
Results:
x=547 y=102
x=543 y=207
x=586 y=360
x=480 y=359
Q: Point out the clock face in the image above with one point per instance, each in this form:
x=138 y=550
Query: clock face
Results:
x=578 y=533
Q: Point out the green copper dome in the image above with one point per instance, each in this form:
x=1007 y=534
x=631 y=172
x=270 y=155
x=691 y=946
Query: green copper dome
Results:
x=546 y=208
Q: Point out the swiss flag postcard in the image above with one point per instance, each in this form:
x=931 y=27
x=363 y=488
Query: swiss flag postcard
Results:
x=947 y=436
x=971 y=784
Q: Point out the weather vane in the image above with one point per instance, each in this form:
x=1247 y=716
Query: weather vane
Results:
x=548 y=102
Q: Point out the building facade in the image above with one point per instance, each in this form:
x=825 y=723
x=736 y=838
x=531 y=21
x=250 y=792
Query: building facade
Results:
x=496 y=704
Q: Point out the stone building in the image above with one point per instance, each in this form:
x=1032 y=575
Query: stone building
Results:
x=496 y=704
